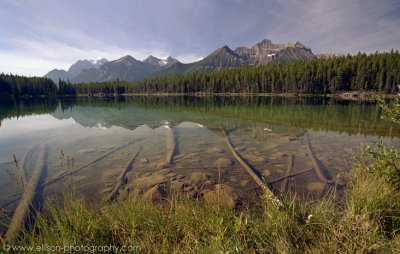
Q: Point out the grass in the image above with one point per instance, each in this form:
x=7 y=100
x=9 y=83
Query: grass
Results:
x=367 y=220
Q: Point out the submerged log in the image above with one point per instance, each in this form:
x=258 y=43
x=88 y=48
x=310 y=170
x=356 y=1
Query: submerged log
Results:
x=10 y=200
x=22 y=170
x=314 y=161
x=28 y=196
x=289 y=167
x=70 y=172
x=170 y=146
x=249 y=170
x=292 y=175
x=121 y=177
x=6 y=162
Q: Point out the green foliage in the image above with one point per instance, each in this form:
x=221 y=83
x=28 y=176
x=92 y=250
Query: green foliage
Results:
x=375 y=192
x=386 y=163
x=392 y=111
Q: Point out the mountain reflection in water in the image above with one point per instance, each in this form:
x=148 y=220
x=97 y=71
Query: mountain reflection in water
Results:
x=180 y=144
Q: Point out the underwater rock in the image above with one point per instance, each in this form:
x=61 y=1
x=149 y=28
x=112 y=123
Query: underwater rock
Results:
x=222 y=194
x=199 y=177
x=179 y=156
x=233 y=179
x=276 y=155
x=109 y=146
x=124 y=192
x=241 y=148
x=255 y=159
x=163 y=165
x=266 y=173
x=88 y=150
x=177 y=177
x=155 y=193
x=195 y=160
x=223 y=162
x=144 y=160
x=188 y=188
x=244 y=182
x=164 y=172
x=149 y=181
x=289 y=138
x=146 y=174
x=209 y=182
x=316 y=186
x=177 y=186
x=215 y=149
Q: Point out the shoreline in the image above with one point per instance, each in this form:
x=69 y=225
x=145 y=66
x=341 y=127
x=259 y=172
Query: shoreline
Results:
x=349 y=96
x=355 y=96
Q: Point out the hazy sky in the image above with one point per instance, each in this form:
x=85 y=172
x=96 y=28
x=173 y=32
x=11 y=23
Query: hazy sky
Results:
x=39 y=35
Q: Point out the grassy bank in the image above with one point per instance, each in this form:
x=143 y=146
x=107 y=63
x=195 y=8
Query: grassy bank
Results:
x=367 y=220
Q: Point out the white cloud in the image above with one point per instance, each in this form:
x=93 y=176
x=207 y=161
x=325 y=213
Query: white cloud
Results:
x=189 y=58
x=36 y=58
x=37 y=36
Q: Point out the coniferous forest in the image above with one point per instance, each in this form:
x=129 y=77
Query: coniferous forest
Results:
x=379 y=72
x=17 y=86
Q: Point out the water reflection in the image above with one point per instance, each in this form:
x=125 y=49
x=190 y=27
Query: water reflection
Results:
x=181 y=143
x=307 y=113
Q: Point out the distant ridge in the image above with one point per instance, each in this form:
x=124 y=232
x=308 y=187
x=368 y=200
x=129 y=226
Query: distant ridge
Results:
x=75 y=69
x=129 y=69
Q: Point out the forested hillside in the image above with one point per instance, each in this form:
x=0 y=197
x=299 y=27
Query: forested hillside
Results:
x=378 y=72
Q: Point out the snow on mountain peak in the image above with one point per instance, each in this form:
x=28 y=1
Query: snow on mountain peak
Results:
x=97 y=61
x=163 y=61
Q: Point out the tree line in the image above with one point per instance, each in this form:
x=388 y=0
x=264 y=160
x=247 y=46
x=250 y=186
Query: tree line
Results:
x=20 y=86
x=377 y=72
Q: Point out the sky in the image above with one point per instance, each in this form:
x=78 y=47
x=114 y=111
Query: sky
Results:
x=37 y=36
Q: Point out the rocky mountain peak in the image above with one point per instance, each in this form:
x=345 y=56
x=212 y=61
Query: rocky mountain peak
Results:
x=127 y=58
x=225 y=50
x=158 y=62
x=98 y=62
x=266 y=51
x=150 y=59
x=172 y=60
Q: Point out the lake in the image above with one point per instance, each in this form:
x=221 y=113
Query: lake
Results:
x=179 y=142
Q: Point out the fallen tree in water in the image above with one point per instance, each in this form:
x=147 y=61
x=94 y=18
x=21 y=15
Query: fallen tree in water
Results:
x=289 y=167
x=314 y=161
x=28 y=196
x=121 y=176
x=249 y=170
x=70 y=172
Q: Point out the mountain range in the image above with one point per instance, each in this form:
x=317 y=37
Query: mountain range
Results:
x=129 y=69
